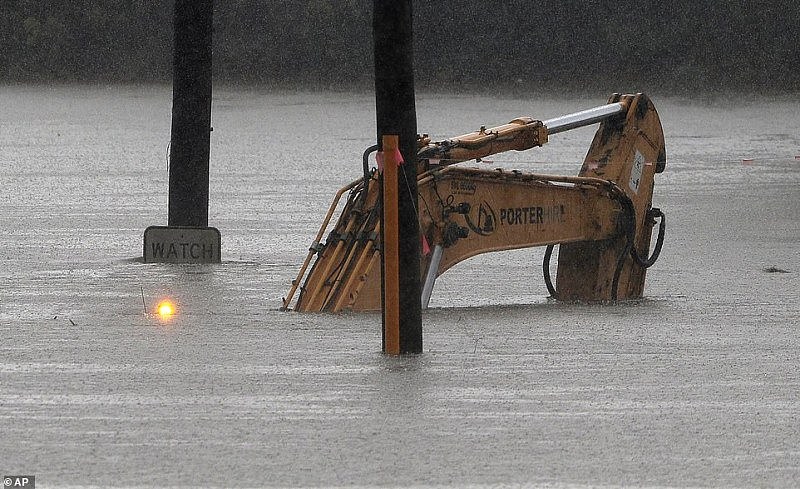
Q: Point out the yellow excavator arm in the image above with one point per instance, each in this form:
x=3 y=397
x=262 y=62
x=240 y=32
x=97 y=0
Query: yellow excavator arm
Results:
x=601 y=219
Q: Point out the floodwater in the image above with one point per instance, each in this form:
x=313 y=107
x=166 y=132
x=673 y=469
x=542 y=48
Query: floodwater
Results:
x=697 y=385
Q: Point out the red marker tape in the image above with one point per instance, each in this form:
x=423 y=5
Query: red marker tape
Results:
x=426 y=248
x=379 y=160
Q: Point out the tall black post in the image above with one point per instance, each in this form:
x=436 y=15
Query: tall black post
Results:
x=187 y=238
x=396 y=115
x=191 y=114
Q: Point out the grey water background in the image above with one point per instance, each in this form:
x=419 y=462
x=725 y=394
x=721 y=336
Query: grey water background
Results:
x=696 y=385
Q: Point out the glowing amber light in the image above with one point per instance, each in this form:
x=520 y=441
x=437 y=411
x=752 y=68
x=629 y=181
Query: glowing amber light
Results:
x=165 y=309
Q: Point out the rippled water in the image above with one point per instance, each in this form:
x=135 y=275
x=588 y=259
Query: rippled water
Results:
x=695 y=385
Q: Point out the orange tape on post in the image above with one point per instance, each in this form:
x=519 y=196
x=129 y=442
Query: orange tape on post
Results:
x=391 y=246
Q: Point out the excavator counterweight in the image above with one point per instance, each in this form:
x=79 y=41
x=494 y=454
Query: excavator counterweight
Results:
x=602 y=219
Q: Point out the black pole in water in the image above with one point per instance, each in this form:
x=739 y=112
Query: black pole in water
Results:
x=396 y=115
x=187 y=238
x=191 y=114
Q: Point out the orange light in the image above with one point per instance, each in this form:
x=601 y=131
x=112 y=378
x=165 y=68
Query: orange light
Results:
x=166 y=310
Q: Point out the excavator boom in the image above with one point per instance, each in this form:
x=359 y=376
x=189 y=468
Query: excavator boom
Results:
x=602 y=219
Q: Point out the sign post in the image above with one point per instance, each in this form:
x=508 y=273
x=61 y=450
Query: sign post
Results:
x=188 y=239
x=397 y=139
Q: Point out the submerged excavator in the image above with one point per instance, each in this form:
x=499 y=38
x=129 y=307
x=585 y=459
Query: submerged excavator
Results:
x=602 y=220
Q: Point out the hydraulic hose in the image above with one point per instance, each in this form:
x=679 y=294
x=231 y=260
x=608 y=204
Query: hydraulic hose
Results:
x=653 y=213
x=629 y=245
x=365 y=162
x=548 y=252
x=630 y=232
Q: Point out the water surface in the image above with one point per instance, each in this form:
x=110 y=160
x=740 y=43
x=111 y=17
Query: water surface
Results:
x=695 y=385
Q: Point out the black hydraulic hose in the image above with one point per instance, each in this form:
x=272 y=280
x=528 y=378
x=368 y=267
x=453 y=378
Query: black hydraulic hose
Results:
x=654 y=213
x=548 y=252
x=367 y=174
x=630 y=231
x=629 y=245
x=365 y=163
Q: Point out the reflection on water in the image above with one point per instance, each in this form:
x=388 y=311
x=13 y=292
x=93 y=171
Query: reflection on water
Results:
x=694 y=385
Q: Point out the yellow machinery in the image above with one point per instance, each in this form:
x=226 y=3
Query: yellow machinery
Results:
x=602 y=219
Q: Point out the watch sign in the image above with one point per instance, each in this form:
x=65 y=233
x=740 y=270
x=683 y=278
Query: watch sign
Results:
x=179 y=244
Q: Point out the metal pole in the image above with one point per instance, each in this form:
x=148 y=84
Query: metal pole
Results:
x=191 y=114
x=430 y=277
x=396 y=115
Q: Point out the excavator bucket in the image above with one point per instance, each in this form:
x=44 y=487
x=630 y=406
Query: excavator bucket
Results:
x=602 y=219
x=627 y=150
